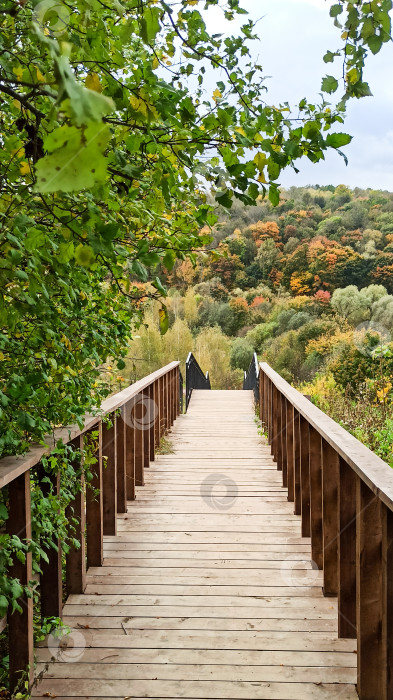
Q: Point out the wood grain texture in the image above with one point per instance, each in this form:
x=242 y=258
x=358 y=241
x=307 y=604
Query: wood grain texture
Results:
x=208 y=590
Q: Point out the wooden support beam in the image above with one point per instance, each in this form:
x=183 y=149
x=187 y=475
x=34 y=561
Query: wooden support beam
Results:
x=76 y=516
x=316 y=498
x=371 y=657
x=20 y=624
x=296 y=463
x=94 y=507
x=121 y=461
x=51 y=588
x=109 y=475
x=284 y=441
x=330 y=479
x=290 y=450
x=305 y=475
x=347 y=552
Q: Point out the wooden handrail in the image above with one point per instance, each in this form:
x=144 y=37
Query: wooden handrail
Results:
x=344 y=495
x=139 y=417
x=13 y=466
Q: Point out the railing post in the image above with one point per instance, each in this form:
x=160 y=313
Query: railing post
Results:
x=297 y=498
x=347 y=552
x=94 y=509
x=152 y=421
x=290 y=450
x=330 y=479
x=130 y=449
x=316 y=498
x=20 y=625
x=51 y=587
x=277 y=396
x=121 y=460
x=145 y=425
x=157 y=410
x=371 y=668
x=284 y=458
x=162 y=405
x=75 y=513
x=305 y=475
x=109 y=476
x=387 y=600
x=138 y=440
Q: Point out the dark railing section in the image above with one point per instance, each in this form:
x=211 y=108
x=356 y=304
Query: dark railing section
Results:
x=138 y=418
x=195 y=379
x=344 y=495
x=181 y=397
x=251 y=378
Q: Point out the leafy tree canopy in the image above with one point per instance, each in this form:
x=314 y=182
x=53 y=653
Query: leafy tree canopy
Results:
x=109 y=129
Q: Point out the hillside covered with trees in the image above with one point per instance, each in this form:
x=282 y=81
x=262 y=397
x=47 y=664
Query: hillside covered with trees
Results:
x=308 y=285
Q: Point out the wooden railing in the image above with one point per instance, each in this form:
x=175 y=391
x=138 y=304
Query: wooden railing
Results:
x=344 y=495
x=139 y=416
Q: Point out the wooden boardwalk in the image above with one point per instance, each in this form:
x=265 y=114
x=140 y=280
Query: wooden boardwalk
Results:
x=207 y=591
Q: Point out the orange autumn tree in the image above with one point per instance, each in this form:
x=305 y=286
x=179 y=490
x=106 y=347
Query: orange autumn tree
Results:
x=263 y=230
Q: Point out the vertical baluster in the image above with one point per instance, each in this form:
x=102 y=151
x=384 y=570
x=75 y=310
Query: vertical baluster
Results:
x=330 y=478
x=137 y=412
x=316 y=497
x=284 y=441
x=20 y=625
x=387 y=600
x=371 y=669
x=109 y=475
x=130 y=449
x=152 y=421
x=145 y=425
x=347 y=552
x=296 y=463
x=274 y=422
x=121 y=460
x=290 y=451
x=94 y=508
x=162 y=405
x=157 y=416
x=51 y=587
x=305 y=475
x=278 y=428
x=75 y=514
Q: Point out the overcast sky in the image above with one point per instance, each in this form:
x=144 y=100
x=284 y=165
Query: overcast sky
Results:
x=294 y=36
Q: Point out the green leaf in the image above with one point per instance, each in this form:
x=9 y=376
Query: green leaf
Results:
x=375 y=44
x=150 y=24
x=34 y=239
x=3 y=512
x=25 y=420
x=335 y=10
x=84 y=255
x=329 y=57
x=329 y=84
x=77 y=161
x=158 y=285
x=274 y=195
x=224 y=198
x=338 y=140
x=65 y=252
x=3 y=606
x=121 y=364
x=164 y=320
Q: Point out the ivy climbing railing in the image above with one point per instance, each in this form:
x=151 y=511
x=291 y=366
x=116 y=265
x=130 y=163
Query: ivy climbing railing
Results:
x=344 y=495
x=125 y=434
